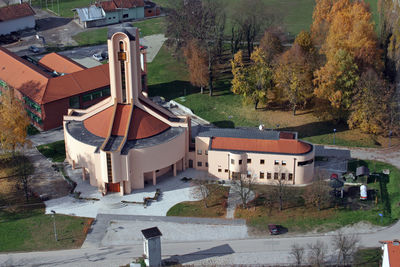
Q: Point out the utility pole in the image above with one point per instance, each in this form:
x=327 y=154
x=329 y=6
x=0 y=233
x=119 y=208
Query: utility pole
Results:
x=54 y=224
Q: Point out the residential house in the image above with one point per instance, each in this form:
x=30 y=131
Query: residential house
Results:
x=16 y=17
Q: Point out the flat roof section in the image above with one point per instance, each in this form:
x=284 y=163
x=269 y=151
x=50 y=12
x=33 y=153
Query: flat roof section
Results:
x=282 y=146
x=249 y=133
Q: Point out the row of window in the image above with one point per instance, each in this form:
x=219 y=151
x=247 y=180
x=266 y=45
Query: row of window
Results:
x=200 y=152
x=32 y=104
x=283 y=176
x=96 y=94
x=34 y=116
x=262 y=162
x=200 y=164
x=302 y=163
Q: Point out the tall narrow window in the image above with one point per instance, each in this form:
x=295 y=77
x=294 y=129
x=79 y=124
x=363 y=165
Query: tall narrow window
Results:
x=109 y=168
x=122 y=59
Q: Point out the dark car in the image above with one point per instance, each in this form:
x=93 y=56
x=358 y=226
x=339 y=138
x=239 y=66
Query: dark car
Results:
x=273 y=229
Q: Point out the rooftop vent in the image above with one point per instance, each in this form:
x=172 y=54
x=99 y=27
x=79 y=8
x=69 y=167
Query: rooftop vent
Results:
x=395 y=242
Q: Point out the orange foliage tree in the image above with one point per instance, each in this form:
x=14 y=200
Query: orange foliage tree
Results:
x=13 y=122
x=197 y=62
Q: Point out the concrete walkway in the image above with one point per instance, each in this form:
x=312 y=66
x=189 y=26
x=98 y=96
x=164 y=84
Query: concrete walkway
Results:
x=45 y=181
x=234 y=200
x=117 y=230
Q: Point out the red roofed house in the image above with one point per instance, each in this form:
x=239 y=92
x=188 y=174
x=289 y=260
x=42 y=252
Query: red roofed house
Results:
x=126 y=140
x=16 y=17
x=391 y=253
x=52 y=85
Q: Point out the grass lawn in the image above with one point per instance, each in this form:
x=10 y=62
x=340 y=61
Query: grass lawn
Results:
x=299 y=218
x=65 y=7
x=99 y=35
x=25 y=227
x=368 y=257
x=168 y=77
x=216 y=205
x=55 y=151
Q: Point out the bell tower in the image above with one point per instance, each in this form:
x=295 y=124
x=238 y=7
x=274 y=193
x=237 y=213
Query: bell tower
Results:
x=124 y=63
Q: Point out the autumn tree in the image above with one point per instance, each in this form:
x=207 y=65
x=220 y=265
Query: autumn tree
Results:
x=335 y=83
x=351 y=29
x=293 y=75
x=318 y=193
x=255 y=81
x=372 y=108
x=196 y=59
x=271 y=45
x=320 y=24
x=13 y=122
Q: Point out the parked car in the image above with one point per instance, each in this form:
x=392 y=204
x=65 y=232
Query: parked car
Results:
x=98 y=57
x=273 y=229
x=34 y=49
x=104 y=54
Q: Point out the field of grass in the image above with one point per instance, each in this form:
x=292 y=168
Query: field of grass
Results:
x=368 y=257
x=99 y=35
x=216 y=205
x=302 y=219
x=62 y=7
x=55 y=151
x=23 y=224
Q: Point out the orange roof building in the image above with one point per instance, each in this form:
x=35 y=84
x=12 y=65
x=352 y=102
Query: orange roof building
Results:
x=127 y=141
x=52 y=85
x=391 y=253
x=16 y=17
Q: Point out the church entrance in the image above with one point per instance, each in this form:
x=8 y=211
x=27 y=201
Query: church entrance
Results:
x=113 y=187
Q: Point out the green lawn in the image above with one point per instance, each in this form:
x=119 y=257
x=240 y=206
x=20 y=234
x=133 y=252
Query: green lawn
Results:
x=64 y=7
x=216 y=205
x=55 y=151
x=302 y=219
x=368 y=257
x=23 y=224
x=99 y=35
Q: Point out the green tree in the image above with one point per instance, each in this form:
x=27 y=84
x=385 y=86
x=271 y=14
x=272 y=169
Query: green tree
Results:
x=335 y=84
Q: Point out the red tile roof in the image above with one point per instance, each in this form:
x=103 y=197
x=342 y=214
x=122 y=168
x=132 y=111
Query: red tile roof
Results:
x=112 y=5
x=107 y=5
x=142 y=124
x=60 y=63
x=393 y=252
x=43 y=88
x=284 y=146
x=16 y=11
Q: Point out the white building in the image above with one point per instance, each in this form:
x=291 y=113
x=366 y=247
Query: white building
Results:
x=16 y=17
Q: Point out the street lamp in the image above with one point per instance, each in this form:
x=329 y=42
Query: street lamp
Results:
x=334 y=136
x=54 y=223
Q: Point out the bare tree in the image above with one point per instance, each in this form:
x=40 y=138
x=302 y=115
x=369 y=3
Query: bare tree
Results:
x=23 y=171
x=280 y=188
x=318 y=193
x=346 y=246
x=253 y=17
x=297 y=252
x=202 y=190
x=316 y=254
x=244 y=187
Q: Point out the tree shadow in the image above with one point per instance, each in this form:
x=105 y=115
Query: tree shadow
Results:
x=224 y=124
x=199 y=255
x=172 y=90
x=316 y=128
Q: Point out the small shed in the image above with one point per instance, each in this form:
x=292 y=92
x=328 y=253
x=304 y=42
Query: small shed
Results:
x=361 y=171
x=152 y=246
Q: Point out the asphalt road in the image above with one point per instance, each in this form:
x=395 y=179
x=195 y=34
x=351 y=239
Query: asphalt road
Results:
x=248 y=251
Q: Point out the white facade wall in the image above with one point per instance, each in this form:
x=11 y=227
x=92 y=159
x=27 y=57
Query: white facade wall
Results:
x=9 y=26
